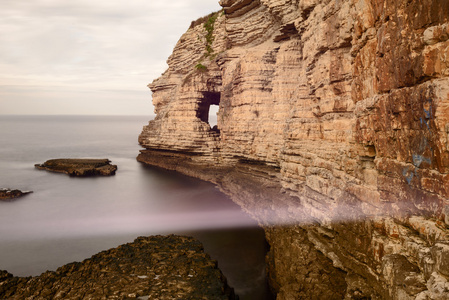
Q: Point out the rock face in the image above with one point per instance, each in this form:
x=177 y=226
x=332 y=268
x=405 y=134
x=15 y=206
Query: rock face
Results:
x=157 y=267
x=342 y=107
x=8 y=194
x=79 y=166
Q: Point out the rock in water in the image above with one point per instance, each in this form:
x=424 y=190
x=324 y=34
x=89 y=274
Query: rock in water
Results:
x=79 y=166
x=7 y=194
x=156 y=267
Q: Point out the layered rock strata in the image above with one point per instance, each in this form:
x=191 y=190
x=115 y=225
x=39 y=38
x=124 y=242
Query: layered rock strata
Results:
x=344 y=107
x=79 y=167
x=157 y=267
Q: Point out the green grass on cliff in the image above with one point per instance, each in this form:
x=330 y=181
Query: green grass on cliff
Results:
x=204 y=19
x=209 y=27
x=208 y=23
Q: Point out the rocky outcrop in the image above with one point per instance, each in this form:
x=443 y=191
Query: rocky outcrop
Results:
x=157 y=267
x=8 y=194
x=79 y=166
x=342 y=107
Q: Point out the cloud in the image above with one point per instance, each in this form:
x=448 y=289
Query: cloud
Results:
x=90 y=45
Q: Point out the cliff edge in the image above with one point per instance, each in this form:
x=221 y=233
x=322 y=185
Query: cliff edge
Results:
x=339 y=109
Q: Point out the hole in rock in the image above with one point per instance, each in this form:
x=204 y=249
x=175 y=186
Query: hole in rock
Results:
x=208 y=108
x=213 y=110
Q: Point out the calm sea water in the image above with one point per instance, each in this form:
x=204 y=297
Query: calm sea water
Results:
x=69 y=219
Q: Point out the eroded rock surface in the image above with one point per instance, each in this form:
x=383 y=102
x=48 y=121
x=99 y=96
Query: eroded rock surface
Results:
x=345 y=104
x=157 y=267
x=79 y=166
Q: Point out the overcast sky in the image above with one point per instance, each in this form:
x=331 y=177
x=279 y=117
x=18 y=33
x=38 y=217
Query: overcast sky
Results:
x=88 y=57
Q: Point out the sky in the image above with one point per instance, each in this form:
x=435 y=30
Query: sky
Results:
x=88 y=57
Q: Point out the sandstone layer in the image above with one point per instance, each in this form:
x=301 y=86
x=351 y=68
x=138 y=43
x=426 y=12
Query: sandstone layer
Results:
x=79 y=167
x=342 y=107
x=156 y=267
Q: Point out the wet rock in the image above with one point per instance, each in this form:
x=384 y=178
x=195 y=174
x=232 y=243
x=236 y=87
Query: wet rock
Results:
x=79 y=166
x=7 y=194
x=156 y=267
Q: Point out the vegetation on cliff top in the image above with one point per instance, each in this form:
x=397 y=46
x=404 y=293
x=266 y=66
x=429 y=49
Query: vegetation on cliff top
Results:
x=204 y=19
x=208 y=23
x=209 y=27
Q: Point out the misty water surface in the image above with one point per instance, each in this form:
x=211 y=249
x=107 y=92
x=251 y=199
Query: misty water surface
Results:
x=69 y=219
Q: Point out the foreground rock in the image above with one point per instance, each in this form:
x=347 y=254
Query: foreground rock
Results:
x=79 y=166
x=157 y=267
x=7 y=194
x=345 y=106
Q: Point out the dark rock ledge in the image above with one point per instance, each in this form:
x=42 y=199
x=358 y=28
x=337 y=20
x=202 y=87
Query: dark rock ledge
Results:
x=8 y=194
x=156 y=267
x=79 y=166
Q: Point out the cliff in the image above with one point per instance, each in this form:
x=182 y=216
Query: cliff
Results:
x=332 y=131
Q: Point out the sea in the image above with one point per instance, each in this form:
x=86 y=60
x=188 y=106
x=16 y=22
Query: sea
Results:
x=69 y=219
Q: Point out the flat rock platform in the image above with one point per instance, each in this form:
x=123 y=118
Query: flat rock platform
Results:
x=80 y=167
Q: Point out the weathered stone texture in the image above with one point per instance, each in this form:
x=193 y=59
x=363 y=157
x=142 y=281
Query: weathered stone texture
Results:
x=348 y=102
x=155 y=267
